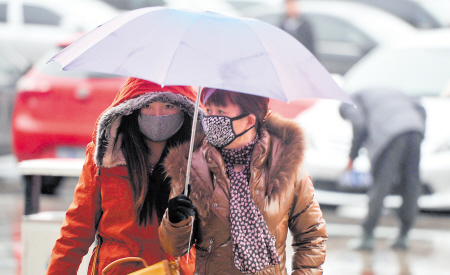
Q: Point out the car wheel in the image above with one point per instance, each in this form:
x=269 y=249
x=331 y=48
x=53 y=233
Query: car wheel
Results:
x=50 y=184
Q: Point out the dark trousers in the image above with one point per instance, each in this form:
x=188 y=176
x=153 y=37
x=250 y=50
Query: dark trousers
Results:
x=397 y=165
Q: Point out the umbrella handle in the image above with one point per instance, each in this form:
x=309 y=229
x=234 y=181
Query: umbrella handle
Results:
x=191 y=145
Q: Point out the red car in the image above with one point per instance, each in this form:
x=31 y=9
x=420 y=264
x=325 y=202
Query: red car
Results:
x=55 y=111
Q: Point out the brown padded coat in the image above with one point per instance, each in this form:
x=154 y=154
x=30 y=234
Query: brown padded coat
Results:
x=280 y=187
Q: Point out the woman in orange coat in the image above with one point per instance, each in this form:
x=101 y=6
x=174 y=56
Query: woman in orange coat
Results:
x=122 y=191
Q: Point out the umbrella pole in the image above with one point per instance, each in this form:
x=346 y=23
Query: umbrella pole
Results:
x=191 y=145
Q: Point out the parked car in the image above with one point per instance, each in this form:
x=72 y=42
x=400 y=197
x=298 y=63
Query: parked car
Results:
x=418 y=65
x=55 y=111
x=249 y=4
x=12 y=66
x=31 y=27
x=344 y=31
x=422 y=14
x=134 y=4
x=220 y=6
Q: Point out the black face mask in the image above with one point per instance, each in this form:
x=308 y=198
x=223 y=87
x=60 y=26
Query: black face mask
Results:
x=219 y=129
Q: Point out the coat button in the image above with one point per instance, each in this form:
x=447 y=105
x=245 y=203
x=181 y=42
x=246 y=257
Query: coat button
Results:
x=215 y=205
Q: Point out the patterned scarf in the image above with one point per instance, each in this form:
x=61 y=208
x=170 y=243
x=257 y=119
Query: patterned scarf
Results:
x=253 y=247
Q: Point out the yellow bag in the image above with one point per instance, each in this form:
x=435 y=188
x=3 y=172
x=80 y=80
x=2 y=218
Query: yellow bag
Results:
x=161 y=268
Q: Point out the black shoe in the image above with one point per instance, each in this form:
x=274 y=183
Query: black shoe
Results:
x=363 y=243
x=400 y=243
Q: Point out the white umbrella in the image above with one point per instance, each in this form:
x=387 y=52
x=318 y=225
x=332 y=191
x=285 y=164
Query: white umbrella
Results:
x=206 y=49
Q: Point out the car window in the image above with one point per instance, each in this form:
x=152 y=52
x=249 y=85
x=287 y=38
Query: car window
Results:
x=134 y=4
x=418 y=72
x=54 y=68
x=39 y=15
x=410 y=11
x=2 y=12
x=240 y=5
x=332 y=29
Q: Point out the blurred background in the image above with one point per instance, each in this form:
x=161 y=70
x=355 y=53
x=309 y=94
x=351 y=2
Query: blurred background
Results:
x=403 y=44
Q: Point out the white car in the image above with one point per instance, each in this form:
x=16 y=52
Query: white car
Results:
x=219 y=6
x=418 y=65
x=424 y=14
x=31 y=27
x=12 y=66
x=251 y=4
x=344 y=31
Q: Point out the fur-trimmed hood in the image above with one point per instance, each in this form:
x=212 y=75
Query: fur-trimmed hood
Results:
x=135 y=94
x=287 y=150
x=280 y=151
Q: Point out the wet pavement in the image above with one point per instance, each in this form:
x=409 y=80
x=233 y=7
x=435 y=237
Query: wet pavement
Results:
x=428 y=254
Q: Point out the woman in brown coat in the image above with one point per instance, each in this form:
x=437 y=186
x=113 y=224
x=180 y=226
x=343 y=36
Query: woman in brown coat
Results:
x=247 y=188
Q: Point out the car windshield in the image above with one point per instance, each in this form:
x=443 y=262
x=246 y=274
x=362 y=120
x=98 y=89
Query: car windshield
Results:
x=418 y=72
x=54 y=68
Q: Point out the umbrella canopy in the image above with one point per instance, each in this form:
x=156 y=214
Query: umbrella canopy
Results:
x=205 y=49
x=180 y=47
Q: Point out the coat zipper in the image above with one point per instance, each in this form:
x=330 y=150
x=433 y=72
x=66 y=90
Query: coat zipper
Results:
x=211 y=240
x=274 y=240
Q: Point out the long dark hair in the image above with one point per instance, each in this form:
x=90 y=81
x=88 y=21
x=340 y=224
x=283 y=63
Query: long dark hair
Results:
x=150 y=191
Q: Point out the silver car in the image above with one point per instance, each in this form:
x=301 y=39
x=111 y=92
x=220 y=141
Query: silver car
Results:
x=32 y=27
x=344 y=31
x=418 y=65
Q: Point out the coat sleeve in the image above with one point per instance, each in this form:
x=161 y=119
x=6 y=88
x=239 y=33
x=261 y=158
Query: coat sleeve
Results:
x=174 y=238
x=308 y=230
x=79 y=227
x=356 y=116
x=420 y=109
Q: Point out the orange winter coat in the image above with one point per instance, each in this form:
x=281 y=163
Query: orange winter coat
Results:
x=103 y=199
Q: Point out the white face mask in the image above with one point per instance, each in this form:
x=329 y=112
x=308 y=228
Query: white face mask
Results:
x=219 y=129
x=160 y=128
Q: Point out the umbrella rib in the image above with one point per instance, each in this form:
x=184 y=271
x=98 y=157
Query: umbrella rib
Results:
x=112 y=24
x=181 y=39
x=262 y=45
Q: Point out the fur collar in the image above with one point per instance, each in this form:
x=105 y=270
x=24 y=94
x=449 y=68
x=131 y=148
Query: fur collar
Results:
x=286 y=152
x=107 y=154
x=283 y=144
